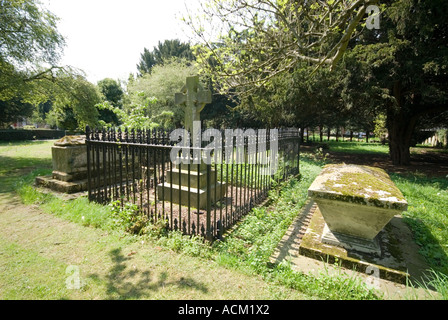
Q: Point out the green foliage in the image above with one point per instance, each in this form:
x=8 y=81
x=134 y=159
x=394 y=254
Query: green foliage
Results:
x=162 y=83
x=380 y=130
x=30 y=47
x=328 y=286
x=135 y=118
x=436 y=280
x=427 y=215
x=127 y=216
x=79 y=210
x=14 y=110
x=29 y=40
x=111 y=91
x=254 y=41
x=163 y=52
x=28 y=32
x=73 y=94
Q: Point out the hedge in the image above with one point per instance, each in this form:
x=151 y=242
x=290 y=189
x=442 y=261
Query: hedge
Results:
x=35 y=134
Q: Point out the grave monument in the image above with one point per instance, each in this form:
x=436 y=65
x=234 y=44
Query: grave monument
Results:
x=356 y=202
x=69 y=159
x=188 y=184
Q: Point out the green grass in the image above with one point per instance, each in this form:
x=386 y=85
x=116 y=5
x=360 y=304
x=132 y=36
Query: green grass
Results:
x=29 y=275
x=245 y=252
x=358 y=147
x=19 y=158
x=427 y=215
x=249 y=246
x=79 y=210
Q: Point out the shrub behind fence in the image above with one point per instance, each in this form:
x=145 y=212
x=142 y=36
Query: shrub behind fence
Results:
x=136 y=167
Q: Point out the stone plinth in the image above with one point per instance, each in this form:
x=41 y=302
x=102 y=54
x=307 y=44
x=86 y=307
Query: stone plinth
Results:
x=183 y=186
x=69 y=159
x=356 y=202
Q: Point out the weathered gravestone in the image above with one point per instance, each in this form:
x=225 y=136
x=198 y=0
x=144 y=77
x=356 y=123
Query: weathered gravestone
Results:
x=187 y=184
x=69 y=159
x=356 y=202
x=353 y=219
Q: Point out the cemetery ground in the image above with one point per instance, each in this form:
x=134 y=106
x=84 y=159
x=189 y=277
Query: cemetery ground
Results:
x=47 y=242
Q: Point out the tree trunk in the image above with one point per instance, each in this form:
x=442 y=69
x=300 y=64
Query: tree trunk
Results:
x=302 y=135
x=400 y=125
x=321 y=134
x=400 y=129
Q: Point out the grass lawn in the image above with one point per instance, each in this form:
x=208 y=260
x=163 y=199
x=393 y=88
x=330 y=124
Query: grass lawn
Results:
x=358 y=147
x=45 y=241
x=42 y=254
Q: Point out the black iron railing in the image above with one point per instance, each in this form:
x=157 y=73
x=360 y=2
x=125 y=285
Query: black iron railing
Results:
x=167 y=181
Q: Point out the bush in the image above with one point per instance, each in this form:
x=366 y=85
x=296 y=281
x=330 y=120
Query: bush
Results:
x=33 y=134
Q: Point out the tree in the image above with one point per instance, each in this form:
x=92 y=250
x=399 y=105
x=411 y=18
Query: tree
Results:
x=74 y=95
x=112 y=92
x=399 y=70
x=259 y=39
x=14 y=110
x=162 y=83
x=165 y=50
x=406 y=67
x=30 y=47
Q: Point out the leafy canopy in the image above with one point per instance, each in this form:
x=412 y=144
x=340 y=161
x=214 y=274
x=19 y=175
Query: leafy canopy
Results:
x=244 y=43
x=30 y=46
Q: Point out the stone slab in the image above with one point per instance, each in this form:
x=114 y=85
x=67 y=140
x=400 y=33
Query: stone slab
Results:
x=192 y=177
x=356 y=200
x=181 y=194
x=391 y=263
x=61 y=186
x=350 y=242
x=69 y=177
x=405 y=248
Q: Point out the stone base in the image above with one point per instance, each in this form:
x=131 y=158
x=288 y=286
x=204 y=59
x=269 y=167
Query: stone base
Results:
x=61 y=186
x=69 y=177
x=182 y=195
x=351 y=243
x=386 y=254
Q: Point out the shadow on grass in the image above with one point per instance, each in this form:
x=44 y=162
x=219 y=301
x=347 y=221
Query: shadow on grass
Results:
x=126 y=281
x=12 y=170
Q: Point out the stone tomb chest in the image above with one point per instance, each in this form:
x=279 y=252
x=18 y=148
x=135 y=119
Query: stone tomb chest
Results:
x=69 y=157
x=356 y=203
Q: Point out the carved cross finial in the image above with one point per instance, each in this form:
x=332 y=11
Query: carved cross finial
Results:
x=193 y=98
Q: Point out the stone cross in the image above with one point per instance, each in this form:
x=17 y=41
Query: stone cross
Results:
x=194 y=98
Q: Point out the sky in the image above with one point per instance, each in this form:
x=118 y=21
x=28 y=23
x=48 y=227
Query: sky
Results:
x=105 y=38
